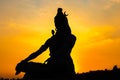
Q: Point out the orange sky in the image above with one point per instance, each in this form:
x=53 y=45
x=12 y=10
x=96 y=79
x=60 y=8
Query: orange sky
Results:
x=26 y=24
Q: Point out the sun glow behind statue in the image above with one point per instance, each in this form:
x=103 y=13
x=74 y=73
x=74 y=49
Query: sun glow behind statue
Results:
x=26 y=24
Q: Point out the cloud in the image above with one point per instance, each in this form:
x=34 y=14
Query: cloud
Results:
x=115 y=1
x=23 y=12
x=109 y=32
x=99 y=34
x=111 y=3
x=115 y=34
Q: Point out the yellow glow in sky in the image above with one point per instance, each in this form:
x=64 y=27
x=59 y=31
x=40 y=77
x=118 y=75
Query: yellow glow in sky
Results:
x=26 y=24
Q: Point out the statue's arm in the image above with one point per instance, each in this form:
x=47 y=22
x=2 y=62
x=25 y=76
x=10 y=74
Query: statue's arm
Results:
x=38 y=52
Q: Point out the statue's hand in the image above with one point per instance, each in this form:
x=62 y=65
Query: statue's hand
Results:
x=20 y=66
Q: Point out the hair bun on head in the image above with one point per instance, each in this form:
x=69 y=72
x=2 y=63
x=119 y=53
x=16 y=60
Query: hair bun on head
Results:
x=60 y=9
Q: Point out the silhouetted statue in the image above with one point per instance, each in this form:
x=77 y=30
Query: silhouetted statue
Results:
x=60 y=64
x=61 y=21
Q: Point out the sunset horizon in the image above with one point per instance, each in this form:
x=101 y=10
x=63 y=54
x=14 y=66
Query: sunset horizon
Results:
x=25 y=25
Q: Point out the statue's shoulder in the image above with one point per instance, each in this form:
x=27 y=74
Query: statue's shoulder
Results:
x=73 y=37
x=51 y=38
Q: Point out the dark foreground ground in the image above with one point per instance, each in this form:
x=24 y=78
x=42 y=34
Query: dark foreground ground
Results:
x=113 y=74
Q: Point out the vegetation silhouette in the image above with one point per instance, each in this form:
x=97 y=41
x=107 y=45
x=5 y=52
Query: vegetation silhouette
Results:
x=60 y=65
x=113 y=74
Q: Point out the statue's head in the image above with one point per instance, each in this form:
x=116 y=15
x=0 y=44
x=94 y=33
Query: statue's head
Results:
x=59 y=10
x=61 y=22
